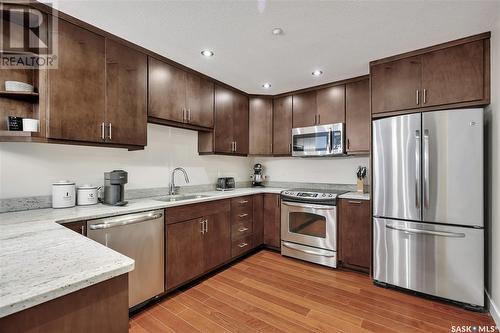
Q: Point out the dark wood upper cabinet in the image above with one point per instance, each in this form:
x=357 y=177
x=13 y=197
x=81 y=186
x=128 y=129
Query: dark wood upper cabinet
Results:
x=200 y=101
x=261 y=126
x=272 y=220
x=224 y=115
x=240 y=123
x=331 y=105
x=355 y=234
x=453 y=75
x=77 y=86
x=304 y=109
x=282 y=126
x=396 y=85
x=167 y=91
x=184 y=252
x=126 y=95
x=357 y=116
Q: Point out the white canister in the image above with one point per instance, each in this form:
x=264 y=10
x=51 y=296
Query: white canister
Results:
x=30 y=125
x=63 y=194
x=86 y=195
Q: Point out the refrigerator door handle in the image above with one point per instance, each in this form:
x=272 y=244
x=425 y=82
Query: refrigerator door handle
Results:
x=427 y=232
x=426 y=168
x=417 y=169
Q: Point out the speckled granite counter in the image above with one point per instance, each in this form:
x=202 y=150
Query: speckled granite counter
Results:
x=355 y=196
x=41 y=260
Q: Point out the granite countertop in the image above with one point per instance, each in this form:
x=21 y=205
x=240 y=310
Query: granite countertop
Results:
x=355 y=196
x=41 y=260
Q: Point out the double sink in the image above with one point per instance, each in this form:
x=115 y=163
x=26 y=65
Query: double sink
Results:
x=181 y=197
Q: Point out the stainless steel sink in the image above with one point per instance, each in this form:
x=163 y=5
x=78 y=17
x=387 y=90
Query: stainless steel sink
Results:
x=180 y=197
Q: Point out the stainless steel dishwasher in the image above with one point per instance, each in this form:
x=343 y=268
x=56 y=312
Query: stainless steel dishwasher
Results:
x=141 y=237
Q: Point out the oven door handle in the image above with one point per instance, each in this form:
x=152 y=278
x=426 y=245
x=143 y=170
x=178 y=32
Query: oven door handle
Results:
x=303 y=205
x=314 y=253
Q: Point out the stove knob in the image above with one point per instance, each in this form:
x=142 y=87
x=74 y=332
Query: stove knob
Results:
x=324 y=194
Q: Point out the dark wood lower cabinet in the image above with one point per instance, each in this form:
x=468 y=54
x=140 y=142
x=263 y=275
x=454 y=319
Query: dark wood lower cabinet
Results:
x=258 y=219
x=272 y=220
x=79 y=227
x=217 y=240
x=102 y=307
x=354 y=235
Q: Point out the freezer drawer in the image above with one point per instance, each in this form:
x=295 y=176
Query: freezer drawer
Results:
x=438 y=260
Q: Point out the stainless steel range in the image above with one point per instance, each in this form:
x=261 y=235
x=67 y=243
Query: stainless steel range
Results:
x=309 y=225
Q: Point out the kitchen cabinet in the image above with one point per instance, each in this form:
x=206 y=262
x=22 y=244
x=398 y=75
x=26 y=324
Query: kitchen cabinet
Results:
x=282 y=126
x=258 y=220
x=198 y=240
x=272 y=220
x=178 y=96
x=241 y=225
x=357 y=116
x=230 y=134
x=355 y=234
x=79 y=227
x=77 y=87
x=450 y=75
x=304 y=109
x=126 y=95
x=260 y=126
x=330 y=105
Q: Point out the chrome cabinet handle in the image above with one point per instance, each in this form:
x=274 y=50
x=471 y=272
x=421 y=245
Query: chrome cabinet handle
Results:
x=202 y=226
x=124 y=220
x=242 y=202
x=354 y=202
x=206 y=225
x=426 y=168
x=427 y=232
x=242 y=215
x=314 y=253
x=242 y=245
x=242 y=229
x=82 y=229
x=235 y=146
x=103 y=125
x=418 y=97
x=109 y=133
x=189 y=115
x=417 y=169
x=184 y=115
x=425 y=96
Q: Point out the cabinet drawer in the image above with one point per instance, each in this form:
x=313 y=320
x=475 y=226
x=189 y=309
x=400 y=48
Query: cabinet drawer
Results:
x=188 y=212
x=241 y=229
x=241 y=205
x=242 y=245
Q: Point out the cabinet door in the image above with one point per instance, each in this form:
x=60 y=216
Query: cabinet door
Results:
x=358 y=116
x=217 y=240
x=258 y=219
x=79 y=227
x=167 y=91
x=454 y=74
x=200 y=101
x=185 y=257
x=331 y=105
x=304 y=109
x=224 y=113
x=282 y=125
x=272 y=220
x=261 y=126
x=126 y=94
x=240 y=123
x=77 y=86
x=396 y=85
x=355 y=233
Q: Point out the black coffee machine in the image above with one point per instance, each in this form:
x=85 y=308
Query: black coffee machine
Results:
x=258 y=177
x=114 y=187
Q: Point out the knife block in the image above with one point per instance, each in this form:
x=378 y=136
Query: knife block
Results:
x=360 y=186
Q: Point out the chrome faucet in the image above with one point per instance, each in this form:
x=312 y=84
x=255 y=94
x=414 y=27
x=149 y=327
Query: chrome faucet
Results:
x=172 y=188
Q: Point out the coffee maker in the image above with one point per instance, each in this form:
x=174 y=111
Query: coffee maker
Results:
x=258 y=177
x=114 y=187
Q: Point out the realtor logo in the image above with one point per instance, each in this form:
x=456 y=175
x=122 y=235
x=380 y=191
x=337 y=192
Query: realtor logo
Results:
x=27 y=36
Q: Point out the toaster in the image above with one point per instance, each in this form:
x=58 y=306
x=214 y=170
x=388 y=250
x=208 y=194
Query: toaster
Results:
x=225 y=183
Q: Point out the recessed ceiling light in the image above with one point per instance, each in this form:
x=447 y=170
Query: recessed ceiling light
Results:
x=266 y=85
x=317 y=72
x=277 y=31
x=207 y=53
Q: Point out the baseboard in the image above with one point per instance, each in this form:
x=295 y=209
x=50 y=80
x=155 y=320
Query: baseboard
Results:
x=494 y=310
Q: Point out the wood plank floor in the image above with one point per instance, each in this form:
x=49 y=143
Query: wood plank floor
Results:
x=270 y=293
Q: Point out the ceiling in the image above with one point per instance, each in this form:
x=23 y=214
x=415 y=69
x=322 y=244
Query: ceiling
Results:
x=338 y=37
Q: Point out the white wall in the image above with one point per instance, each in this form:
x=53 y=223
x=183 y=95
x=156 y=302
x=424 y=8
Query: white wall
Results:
x=29 y=169
x=312 y=170
x=493 y=175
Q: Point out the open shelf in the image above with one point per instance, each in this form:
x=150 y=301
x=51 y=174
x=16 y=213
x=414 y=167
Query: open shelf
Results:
x=5 y=133
x=20 y=95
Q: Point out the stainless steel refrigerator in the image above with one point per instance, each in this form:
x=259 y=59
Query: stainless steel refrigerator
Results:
x=428 y=204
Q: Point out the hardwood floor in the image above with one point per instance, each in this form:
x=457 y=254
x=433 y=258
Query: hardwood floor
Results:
x=270 y=293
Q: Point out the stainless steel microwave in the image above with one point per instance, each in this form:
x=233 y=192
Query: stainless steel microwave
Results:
x=322 y=140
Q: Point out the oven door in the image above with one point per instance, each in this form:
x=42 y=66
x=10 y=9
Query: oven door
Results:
x=308 y=224
x=312 y=141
